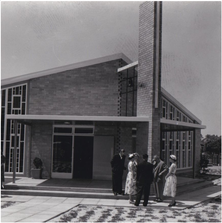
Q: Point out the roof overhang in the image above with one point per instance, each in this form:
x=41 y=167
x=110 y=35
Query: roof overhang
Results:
x=134 y=64
x=26 y=77
x=28 y=119
x=181 y=124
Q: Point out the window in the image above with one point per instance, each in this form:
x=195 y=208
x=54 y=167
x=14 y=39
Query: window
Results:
x=179 y=143
x=172 y=112
x=178 y=116
x=184 y=118
x=16 y=102
x=63 y=130
x=84 y=130
x=164 y=108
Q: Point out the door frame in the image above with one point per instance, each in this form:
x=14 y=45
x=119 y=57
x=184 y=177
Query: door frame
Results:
x=73 y=134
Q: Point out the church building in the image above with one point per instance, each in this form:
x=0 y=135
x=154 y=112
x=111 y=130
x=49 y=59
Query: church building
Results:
x=76 y=117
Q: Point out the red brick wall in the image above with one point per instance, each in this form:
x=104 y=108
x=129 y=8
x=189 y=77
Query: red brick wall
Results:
x=90 y=90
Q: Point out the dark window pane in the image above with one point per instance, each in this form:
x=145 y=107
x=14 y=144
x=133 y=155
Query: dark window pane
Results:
x=83 y=130
x=24 y=93
x=16 y=102
x=62 y=154
x=184 y=159
x=21 y=157
x=9 y=108
x=178 y=158
x=17 y=90
x=13 y=141
x=22 y=132
x=2 y=146
x=2 y=129
x=8 y=130
x=62 y=130
x=3 y=97
x=23 y=108
x=7 y=157
x=133 y=132
x=10 y=94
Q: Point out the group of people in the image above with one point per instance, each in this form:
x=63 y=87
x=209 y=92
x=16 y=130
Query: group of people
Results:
x=142 y=175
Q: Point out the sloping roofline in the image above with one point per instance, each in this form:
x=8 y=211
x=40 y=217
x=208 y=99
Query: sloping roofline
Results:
x=164 y=93
x=86 y=63
x=93 y=62
x=169 y=97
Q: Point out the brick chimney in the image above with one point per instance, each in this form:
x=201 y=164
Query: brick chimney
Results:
x=149 y=77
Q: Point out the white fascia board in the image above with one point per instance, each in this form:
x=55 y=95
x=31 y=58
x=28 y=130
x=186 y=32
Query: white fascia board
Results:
x=174 y=101
x=184 y=124
x=78 y=118
x=127 y=66
x=87 y=63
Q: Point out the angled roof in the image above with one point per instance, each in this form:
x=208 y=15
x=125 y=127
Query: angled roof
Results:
x=173 y=100
x=164 y=93
x=131 y=64
x=99 y=60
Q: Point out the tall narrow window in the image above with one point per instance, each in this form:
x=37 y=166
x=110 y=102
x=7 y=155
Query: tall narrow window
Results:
x=15 y=103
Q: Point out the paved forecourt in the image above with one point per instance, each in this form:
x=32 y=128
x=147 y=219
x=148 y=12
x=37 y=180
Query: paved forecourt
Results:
x=45 y=208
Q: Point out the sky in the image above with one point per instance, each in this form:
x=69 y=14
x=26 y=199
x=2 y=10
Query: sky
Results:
x=36 y=36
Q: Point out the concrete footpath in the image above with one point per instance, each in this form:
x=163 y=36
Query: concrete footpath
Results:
x=46 y=208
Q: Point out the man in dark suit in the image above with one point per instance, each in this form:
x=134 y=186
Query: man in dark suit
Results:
x=117 y=164
x=144 y=180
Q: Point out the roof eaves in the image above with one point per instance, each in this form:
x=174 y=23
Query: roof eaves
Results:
x=87 y=63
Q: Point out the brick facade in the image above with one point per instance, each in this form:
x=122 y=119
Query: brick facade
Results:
x=95 y=90
x=41 y=146
x=89 y=91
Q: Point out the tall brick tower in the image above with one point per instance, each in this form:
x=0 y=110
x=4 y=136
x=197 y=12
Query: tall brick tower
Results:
x=149 y=77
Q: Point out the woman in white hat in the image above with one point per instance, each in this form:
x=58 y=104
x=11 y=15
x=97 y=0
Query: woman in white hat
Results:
x=130 y=187
x=171 y=181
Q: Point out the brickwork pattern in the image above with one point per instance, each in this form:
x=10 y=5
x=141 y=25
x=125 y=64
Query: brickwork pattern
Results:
x=146 y=77
x=146 y=47
x=42 y=146
x=89 y=91
x=142 y=139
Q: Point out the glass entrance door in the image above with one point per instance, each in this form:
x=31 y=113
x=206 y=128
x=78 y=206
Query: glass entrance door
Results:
x=62 y=156
x=72 y=152
x=83 y=157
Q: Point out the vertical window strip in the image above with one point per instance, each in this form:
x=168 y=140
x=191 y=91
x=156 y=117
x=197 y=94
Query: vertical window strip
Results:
x=169 y=111
x=15 y=103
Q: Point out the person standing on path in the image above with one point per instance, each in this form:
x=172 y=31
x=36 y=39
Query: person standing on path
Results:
x=144 y=180
x=171 y=181
x=160 y=169
x=117 y=164
x=130 y=186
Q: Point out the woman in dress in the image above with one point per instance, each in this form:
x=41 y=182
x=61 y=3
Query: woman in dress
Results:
x=171 y=181
x=130 y=187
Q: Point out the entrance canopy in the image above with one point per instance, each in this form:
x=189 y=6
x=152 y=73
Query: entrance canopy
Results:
x=172 y=125
x=28 y=119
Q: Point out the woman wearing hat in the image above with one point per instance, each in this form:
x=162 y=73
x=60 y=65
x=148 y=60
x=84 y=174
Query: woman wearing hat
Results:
x=130 y=187
x=171 y=181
